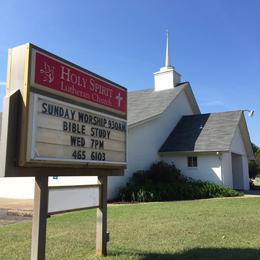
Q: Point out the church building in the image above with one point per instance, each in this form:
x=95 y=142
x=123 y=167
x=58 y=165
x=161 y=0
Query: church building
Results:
x=165 y=123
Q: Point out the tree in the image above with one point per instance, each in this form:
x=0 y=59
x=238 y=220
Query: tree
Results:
x=254 y=166
x=257 y=158
x=255 y=148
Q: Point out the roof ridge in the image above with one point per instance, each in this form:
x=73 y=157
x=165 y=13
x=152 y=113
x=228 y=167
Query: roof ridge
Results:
x=210 y=113
x=231 y=111
x=145 y=89
x=139 y=90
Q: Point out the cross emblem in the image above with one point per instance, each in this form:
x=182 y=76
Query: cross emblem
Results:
x=119 y=99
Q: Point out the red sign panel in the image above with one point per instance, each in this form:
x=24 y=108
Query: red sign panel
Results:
x=51 y=73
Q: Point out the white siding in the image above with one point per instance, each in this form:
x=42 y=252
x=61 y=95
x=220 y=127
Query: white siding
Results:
x=17 y=188
x=67 y=181
x=23 y=188
x=237 y=171
x=227 y=169
x=237 y=146
x=208 y=169
x=245 y=172
x=144 y=141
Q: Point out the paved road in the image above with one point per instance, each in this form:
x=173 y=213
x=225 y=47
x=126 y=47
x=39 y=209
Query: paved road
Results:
x=252 y=193
x=15 y=210
x=16 y=204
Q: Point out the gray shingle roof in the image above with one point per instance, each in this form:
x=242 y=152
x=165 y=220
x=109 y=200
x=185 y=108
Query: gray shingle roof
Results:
x=203 y=133
x=145 y=104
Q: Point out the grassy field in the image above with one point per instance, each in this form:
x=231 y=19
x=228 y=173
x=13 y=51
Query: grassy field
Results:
x=202 y=229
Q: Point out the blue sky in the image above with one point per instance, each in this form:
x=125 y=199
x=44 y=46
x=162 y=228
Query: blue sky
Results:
x=215 y=44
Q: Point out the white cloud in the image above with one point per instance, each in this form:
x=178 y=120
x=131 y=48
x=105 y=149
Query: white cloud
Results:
x=2 y=83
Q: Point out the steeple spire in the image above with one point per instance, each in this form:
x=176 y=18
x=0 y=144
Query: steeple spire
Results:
x=167 y=56
x=167 y=77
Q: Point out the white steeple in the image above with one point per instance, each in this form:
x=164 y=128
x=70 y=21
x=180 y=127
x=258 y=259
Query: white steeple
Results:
x=167 y=56
x=167 y=77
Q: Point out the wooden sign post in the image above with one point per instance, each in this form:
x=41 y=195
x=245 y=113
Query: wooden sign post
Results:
x=102 y=235
x=66 y=121
x=40 y=213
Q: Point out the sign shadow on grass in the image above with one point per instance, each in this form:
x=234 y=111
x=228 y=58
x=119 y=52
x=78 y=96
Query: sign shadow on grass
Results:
x=195 y=253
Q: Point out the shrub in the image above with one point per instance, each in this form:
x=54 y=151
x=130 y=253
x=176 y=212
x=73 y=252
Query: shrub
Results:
x=164 y=182
x=253 y=171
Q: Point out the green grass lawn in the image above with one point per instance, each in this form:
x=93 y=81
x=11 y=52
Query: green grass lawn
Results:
x=203 y=229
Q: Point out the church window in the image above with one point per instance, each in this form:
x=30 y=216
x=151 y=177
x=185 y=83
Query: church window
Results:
x=192 y=161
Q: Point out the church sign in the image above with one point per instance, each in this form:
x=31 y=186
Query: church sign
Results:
x=62 y=132
x=71 y=117
x=61 y=120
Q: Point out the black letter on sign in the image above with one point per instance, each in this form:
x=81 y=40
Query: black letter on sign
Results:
x=65 y=126
x=44 y=108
